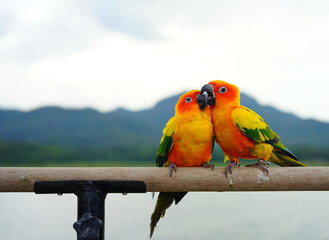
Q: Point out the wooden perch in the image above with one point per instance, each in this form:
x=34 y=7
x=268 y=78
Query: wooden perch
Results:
x=21 y=179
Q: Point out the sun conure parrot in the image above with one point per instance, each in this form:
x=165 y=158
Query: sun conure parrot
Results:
x=187 y=141
x=242 y=133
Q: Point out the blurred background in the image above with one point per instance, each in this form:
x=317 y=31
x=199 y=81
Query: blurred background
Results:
x=93 y=83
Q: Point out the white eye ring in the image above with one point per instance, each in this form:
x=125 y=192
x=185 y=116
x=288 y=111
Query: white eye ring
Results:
x=222 y=90
x=188 y=99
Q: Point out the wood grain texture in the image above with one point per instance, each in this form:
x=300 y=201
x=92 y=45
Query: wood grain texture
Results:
x=19 y=179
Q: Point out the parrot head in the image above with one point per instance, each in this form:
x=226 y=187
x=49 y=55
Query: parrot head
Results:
x=221 y=94
x=190 y=102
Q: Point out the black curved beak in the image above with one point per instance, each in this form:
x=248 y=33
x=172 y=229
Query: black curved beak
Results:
x=201 y=101
x=208 y=91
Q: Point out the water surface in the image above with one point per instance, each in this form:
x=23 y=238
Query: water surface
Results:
x=229 y=215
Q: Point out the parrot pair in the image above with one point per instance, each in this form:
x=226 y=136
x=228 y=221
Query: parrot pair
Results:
x=215 y=113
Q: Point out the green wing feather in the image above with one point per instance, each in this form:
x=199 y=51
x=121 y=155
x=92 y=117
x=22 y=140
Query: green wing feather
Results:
x=166 y=142
x=254 y=126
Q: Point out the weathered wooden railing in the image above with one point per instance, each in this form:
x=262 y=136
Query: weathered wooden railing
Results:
x=92 y=184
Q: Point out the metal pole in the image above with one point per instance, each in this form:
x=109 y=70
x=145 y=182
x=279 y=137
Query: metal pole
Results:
x=91 y=204
x=91 y=201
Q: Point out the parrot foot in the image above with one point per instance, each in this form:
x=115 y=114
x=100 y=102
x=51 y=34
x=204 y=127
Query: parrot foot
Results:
x=230 y=166
x=172 y=167
x=208 y=165
x=261 y=164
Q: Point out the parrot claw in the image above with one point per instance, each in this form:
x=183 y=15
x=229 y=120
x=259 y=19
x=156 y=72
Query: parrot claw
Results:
x=208 y=165
x=261 y=164
x=230 y=166
x=172 y=167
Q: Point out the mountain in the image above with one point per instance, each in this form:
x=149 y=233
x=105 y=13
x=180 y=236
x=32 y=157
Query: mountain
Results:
x=88 y=127
x=52 y=136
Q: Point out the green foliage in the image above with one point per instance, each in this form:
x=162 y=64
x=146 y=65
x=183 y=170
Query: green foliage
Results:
x=18 y=153
x=30 y=154
x=309 y=153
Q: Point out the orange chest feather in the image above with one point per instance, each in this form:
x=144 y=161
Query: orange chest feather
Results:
x=232 y=141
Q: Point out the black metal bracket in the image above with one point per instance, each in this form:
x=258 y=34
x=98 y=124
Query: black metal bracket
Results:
x=91 y=201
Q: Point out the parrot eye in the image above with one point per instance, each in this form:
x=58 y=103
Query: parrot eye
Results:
x=222 y=90
x=188 y=99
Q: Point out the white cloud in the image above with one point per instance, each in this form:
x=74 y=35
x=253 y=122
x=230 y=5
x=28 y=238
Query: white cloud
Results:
x=43 y=29
x=274 y=52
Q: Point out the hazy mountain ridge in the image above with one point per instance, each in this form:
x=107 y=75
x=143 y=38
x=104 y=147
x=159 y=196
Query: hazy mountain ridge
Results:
x=89 y=127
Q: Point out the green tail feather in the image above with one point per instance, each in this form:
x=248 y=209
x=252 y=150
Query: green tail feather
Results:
x=279 y=147
x=282 y=159
x=165 y=199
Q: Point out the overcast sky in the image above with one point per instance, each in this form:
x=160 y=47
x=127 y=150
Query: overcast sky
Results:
x=109 y=54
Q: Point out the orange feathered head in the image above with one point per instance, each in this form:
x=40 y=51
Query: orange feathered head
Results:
x=190 y=102
x=221 y=93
